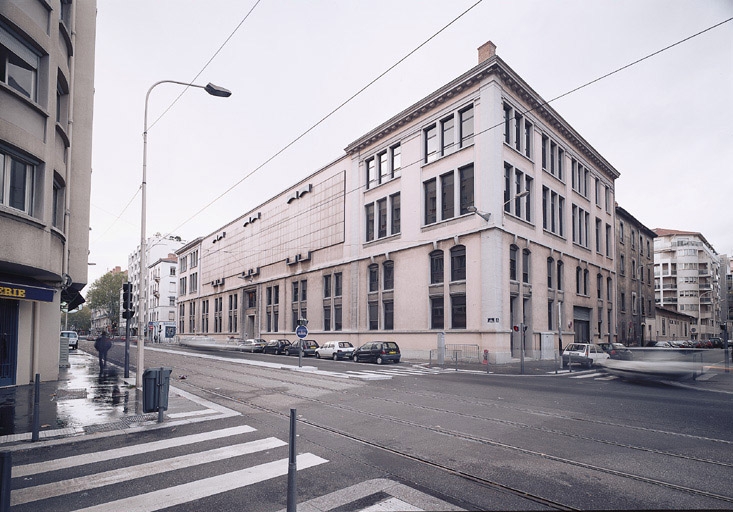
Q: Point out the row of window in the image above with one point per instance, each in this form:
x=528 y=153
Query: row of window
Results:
x=634 y=269
x=193 y=284
x=518 y=131
x=517 y=192
x=191 y=260
x=442 y=195
x=442 y=138
x=386 y=216
x=632 y=241
x=384 y=166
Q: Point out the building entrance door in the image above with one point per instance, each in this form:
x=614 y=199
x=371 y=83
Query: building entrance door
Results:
x=9 y=310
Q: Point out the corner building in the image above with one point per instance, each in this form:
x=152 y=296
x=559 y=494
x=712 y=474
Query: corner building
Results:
x=46 y=103
x=474 y=210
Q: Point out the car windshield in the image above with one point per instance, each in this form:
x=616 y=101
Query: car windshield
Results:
x=390 y=345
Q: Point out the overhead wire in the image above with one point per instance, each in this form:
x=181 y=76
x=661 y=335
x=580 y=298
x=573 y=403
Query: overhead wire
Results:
x=488 y=129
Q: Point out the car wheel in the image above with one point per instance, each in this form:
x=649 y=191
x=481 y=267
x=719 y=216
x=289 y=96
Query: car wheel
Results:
x=380 y=360
x=318 y=355
x=589 y=364
x=356 y=358
x=335 y=356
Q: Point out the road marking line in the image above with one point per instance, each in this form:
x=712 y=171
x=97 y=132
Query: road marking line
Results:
x=586 y=376
x=118 y=453
x=206 y=487
x=116 y=476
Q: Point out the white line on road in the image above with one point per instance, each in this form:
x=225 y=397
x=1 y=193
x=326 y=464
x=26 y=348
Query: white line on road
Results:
x=118 y=453
x=116 y=476
x=188 y=492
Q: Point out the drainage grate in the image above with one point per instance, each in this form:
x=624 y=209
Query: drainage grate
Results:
x=126 y=422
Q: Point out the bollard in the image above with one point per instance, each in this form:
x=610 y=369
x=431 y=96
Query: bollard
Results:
x=36 y=408
x=5 y=478
x=292 y=467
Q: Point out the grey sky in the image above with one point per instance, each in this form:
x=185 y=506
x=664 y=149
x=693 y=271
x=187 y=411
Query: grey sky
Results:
x=664 y=123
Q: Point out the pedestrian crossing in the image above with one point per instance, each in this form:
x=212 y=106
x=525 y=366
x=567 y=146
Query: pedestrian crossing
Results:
x=92 y=481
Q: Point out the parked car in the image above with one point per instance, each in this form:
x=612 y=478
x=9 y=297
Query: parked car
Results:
x=276 y=346
x=336 y=350
x=378 y=352
x=72 y=337
x=253 y=345
x=660 y=344
x=586 y=354
x=309 y=348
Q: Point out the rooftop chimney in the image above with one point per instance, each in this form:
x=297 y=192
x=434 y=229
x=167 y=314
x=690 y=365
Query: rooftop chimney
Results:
x=486 y=51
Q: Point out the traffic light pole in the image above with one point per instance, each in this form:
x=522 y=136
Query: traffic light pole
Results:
x=127 y=348
x=127 y=315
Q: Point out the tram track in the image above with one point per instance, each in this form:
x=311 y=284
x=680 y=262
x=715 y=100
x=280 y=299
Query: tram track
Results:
x=466 y=437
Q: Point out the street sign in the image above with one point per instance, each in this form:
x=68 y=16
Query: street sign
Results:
x=301 y=331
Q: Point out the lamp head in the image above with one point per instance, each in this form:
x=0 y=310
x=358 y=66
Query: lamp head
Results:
x=215 y=90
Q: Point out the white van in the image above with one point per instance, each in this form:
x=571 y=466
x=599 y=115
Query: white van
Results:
x=72 y=337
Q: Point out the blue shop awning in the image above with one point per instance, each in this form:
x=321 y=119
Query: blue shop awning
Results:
x=25 y=288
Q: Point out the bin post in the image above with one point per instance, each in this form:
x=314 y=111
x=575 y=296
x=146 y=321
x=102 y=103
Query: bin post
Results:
x=156 y=383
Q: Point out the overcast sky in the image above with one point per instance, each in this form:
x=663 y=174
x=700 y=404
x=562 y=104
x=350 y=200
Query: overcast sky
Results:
x=664 y=124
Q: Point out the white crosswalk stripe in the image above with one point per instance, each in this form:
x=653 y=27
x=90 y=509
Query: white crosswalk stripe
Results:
x=118 y=466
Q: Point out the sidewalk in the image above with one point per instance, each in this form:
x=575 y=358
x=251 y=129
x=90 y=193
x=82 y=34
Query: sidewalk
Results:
x=87 y=401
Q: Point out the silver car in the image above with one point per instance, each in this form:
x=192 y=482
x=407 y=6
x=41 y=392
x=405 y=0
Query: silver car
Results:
x=335 y=350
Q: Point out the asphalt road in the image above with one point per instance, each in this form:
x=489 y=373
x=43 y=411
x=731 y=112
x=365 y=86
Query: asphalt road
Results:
x=469 y=441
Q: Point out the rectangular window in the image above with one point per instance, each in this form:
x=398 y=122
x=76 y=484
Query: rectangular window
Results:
x=233 y=316
x=182 y=318
x=388 y=275
x=465 y=175
x=204 y=316
x=373 y=277
x=446 y=196
x=193 y=282
x=608 y=240
x=430 y=202
x=458 y=263
x=431 y=144
x=382 y=218
x=18 y=65
x=395 y=211
x=437 y=315
x=373 y=316
x=337 y=279
x=16 y=183
x=528 y=139
x=182 y=286
x=337 y=324
x=599 y=241
x=388 y=306
x=371 y=171
x=507 y=124
x=447 y=126
x=396 y=153
x=545 y=150
x=560 y=162
x=550 y=312
x=384 y=171
x=458 y=311
x=327 y=286
x=58 y=200
x=327 y=318
x=369 y=217
x=518 y=122
x=466 y=117
x=436 y=267
x=192 y=318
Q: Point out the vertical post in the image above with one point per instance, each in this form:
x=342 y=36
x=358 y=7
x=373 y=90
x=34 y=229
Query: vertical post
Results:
x=292 y=467
x=522 y=351
x=36 y=408
x=5 y=479
x=127 y=348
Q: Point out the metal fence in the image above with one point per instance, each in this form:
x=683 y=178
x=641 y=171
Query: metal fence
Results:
x=468 y=353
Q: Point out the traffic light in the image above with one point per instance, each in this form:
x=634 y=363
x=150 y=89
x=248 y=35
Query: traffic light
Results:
x=128 y=310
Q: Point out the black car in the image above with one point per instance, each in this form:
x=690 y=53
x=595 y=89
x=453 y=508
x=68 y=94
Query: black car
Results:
x=276 y=347
x=309 y=348
x=378 y=352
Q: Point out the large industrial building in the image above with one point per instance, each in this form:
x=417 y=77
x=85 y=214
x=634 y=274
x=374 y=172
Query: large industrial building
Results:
x=46 y=102
x=478 y=214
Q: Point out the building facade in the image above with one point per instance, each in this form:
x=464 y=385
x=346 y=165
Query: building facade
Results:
x=477 y=209
x=635 y=292
x=687 y=277
x=157 y=247
x=671 y=325
x=162 y=276
x=46 y=103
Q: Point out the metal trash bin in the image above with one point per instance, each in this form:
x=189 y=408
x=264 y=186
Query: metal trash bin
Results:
x=156 y=382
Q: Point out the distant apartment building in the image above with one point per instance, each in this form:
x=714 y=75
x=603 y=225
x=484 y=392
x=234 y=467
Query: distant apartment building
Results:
x=475 y=210
x=46 y=103
x=687 y=277
x=635 y=285
x=158 y=247
x=162 y=276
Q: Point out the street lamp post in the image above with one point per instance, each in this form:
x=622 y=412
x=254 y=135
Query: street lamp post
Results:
x=213 y=90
